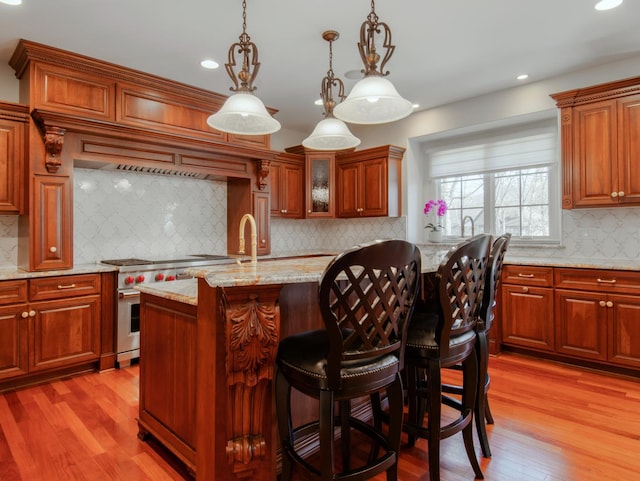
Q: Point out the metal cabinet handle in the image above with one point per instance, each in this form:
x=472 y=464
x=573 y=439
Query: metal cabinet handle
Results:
x=520 y=274
x=67 y=286
x=607 y=281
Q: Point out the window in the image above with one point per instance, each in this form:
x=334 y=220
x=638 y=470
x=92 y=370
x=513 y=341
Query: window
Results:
x=499 y=181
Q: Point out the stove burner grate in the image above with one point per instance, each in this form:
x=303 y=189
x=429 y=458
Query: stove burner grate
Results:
x=132 y=261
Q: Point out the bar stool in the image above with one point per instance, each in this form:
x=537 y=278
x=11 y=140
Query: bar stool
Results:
x=442 y=334
x=365 y=297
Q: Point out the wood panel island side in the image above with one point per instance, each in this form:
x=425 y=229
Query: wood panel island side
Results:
x=207 y=353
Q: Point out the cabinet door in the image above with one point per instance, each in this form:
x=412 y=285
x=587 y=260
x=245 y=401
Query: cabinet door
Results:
x=629 y=150
x=287 y=183
x=52 y=223
x=594 y=176
x=261 y=215
x=64 y=332
x=624 y=329
x=347 y=183
x=581 y=324
x=12 y=152
x=13 y=341
x=320 y=171
x=374 y=188
x=527 y=316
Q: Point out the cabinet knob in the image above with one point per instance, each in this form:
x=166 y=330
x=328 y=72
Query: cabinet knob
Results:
x=309 y=211
x=602 y=303
x=32 y=313
x=25 y=314
x=53 y=249
x=609 y=304
x=263 y=242
x=525 y=289
x=614 y=194
x=621 y=193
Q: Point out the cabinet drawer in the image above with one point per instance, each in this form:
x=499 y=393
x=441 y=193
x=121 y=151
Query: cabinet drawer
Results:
x=600 y=280
x=13 y=292
x=48 y=288
x=528 y=275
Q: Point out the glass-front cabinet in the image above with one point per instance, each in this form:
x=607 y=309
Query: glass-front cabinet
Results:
x=320 y=173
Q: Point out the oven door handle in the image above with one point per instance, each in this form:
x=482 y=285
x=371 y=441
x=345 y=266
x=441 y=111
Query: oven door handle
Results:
x=128 y=293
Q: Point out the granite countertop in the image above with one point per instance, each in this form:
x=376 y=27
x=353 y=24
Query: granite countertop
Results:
x=590 y=263
x=13 y=273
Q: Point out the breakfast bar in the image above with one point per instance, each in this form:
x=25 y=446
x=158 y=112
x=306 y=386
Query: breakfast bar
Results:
x=208 y=347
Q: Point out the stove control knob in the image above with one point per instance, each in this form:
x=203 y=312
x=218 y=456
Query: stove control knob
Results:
x=140 y=278
x=129 y=280
x=171 y=278
x=159 y=277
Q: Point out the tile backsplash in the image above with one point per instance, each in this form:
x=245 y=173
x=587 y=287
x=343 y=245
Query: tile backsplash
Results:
x=127 y=214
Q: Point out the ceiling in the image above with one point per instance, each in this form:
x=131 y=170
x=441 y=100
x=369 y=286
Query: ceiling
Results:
x=446 y=50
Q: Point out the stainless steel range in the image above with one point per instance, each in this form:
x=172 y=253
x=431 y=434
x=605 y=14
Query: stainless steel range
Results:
x=133 y=272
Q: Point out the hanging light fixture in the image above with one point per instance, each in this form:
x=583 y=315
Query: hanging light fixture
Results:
x=243 y=112
x=374 y=99
x=331 y=133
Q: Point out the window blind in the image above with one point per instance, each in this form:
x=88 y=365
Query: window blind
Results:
x=532 y=145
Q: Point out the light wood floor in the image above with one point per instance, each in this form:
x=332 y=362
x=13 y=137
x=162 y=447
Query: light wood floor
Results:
x=553 y=423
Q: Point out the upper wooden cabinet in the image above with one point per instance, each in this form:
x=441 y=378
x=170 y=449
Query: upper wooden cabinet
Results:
x=14 y=122
x=369 y=182
x=287 y=186
x=601 y=145
x=320 y=184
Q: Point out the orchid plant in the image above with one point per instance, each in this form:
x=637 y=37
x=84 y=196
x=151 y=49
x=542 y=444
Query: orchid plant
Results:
x=439 y=207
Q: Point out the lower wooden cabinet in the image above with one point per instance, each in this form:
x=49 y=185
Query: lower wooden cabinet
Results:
x=38 y=336
x=527 y=307
x=581 y=314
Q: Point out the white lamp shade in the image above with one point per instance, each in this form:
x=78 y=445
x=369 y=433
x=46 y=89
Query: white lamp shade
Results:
x=244 y=113
x=331 y=134
x=373 y=100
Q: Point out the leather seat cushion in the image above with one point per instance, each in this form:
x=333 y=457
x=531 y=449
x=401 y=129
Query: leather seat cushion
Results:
x=421 y=338
x=303 y=357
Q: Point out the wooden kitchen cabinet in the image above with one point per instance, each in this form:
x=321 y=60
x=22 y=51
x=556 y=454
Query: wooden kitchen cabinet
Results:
x=368 y=182
x=287 y=186
x=598 y=314
x=45 y=335
x=14 y=121
x=320 y=184
x=527 y=307
x=600 y=145
x=52 y=223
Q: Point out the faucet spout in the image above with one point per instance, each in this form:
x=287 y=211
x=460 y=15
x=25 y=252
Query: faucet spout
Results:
x=464 y=221
x=254 y=237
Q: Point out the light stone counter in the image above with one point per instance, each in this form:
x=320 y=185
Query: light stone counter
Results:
x=13 y=273
x=587 y=263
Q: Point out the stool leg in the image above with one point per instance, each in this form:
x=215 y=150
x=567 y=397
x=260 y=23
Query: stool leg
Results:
x=395 y=395
x=283 y=414
x=345 y=434
x=327 y=450
x=470 y=383
x=482 y=351
x=434 y=388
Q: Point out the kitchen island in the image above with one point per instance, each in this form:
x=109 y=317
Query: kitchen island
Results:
x=207 y=352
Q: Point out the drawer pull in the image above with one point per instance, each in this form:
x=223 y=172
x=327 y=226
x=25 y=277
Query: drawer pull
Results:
x=609 y=304
x=25 y=314
x=602 y=304
x=528 y=276
x=525 y=289
x=67 y=286
x=607 y=281
x=32 y=313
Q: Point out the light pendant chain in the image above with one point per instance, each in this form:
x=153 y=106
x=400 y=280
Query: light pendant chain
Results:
x=249 y=52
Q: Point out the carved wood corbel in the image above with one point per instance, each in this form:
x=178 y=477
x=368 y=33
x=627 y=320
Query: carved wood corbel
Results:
x=252 y=330
x=53 y=142
x=263 y=173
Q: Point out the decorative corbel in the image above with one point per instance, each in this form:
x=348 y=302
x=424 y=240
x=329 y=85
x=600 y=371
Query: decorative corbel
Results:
x=263 y=173
x=53 y=142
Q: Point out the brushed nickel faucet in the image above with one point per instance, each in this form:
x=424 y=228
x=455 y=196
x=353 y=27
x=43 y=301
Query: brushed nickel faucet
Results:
x=254 y=237
x=473 y=227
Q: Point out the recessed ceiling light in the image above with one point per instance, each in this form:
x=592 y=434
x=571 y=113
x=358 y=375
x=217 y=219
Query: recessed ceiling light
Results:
x=523 y=76
x=415 y=106
x=210 y=64
x=318 y=102
x=607 y=4
x=11 y=2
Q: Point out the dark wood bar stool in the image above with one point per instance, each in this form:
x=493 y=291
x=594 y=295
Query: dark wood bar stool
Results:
x=485 y=321
x=442 y=334
x=366 y=296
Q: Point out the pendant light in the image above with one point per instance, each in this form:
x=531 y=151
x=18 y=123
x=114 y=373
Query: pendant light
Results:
x=331 y=133
x=374 y=99
x=243 y=112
